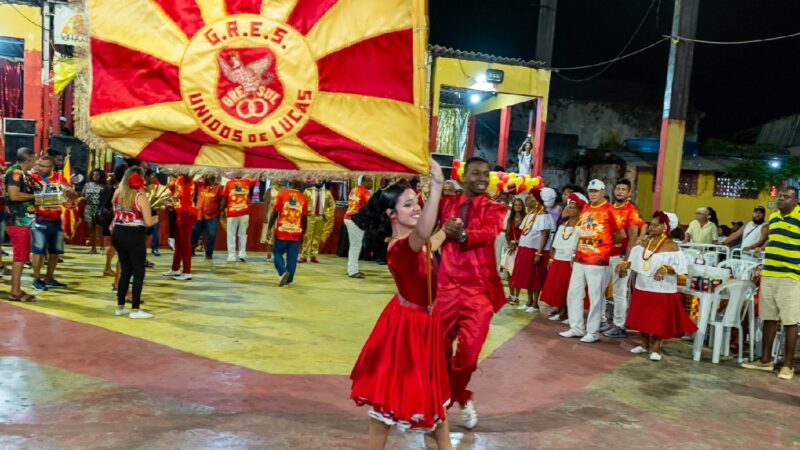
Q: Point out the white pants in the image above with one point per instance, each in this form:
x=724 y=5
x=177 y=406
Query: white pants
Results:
x=596 y=278
x=621 y=291
x=356 y=237
x=500 y=246
x=237 y=226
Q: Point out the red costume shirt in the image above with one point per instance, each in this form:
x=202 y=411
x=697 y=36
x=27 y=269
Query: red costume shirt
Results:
x=291 y=206
x=627 y=215
x=359 y=197
x=183 y=195
x=51 y=214
x=471 y=267
x=238 y=193
x=209 y=199
x=597 y=226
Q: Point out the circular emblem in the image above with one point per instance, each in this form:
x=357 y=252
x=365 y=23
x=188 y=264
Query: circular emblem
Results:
x=249 y=80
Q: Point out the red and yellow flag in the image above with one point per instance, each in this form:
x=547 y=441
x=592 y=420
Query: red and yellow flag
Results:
x=312 y=85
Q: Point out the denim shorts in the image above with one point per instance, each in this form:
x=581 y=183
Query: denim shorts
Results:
x=48 y=237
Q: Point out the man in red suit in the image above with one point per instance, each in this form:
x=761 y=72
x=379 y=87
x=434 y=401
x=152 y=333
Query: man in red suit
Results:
x=469 y=287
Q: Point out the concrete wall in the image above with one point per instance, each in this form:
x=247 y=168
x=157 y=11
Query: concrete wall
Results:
x=598 y=123
x=24 y=22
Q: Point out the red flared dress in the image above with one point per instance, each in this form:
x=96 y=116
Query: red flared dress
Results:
x=527 y=274
x=402 y=371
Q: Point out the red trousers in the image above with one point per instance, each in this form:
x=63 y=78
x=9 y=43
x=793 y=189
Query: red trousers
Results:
x=467 y=318
x=183 y=242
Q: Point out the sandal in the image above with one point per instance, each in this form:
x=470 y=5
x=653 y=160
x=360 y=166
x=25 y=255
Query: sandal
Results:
x=23 y=297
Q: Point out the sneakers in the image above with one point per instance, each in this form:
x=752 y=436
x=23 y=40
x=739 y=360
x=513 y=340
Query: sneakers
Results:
x=302 y=260
x=140 y=315
x=555 y=317
x=121 y=311
x=171 y=273
x=570 y=334
x=758 y=365
x=469 y=415
x=522 y=307
x=284 y=279
x=565 y=321
x=786 y=373
x=231 y=258
x=55 y=284
x=182 y=277
x=655 y=356
x=39 y=285
x=590 y=338
x=616 y=332
x=315 y=260
x=639 y=350
x=604 y=326
x=531 y=310
x=155 y=252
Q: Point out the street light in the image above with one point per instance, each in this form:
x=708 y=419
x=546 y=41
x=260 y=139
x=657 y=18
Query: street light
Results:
x=475 y=98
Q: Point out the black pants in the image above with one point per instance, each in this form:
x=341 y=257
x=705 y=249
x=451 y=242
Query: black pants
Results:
x=132 y=252
x=173 y=217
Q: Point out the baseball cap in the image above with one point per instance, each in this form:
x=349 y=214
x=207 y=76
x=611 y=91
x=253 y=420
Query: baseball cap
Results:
x=703 y=211
x=760 y=208
x=596 y=185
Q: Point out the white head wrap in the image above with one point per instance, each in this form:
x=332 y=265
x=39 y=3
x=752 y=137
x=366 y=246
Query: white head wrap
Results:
x=549 y=197
x=673 y=220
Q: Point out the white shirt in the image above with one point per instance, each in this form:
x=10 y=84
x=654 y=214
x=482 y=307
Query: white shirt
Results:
x=565 y=248
x=751 y=234
x=525 y=159
x=646 y=270
x=532 y=237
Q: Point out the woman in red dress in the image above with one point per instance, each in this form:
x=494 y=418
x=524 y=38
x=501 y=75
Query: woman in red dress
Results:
x=656 y=306
x=513 y=233
x=565 y=242
x=402 y=371
x=533 y=252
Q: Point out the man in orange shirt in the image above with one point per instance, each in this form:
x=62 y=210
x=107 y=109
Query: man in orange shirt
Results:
x=236 y=206
x=628 y=215
x=599 y=230
x=209 y=205
x=290 y=213
x=183 y=193
x=358 y=197
x=47 y=230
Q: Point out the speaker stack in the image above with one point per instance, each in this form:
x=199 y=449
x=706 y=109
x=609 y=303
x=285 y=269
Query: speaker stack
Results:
x=18 y=133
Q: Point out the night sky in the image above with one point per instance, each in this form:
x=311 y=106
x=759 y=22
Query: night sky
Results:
x=736 y=86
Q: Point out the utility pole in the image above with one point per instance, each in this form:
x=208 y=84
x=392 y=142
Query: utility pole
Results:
x=545 y=35
x=676 y=103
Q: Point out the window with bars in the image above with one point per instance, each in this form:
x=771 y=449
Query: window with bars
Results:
x=687 y=183
x=725 y=186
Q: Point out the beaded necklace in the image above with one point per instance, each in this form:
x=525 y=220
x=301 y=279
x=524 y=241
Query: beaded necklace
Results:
x=645 y=257
x=530 y=224
x=564 y=234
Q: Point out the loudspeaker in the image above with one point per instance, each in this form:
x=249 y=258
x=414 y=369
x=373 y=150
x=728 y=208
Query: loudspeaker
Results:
x=14 y=143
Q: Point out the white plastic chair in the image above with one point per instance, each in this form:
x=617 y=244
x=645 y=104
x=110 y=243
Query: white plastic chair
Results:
x=777 y=346
x=740 y=269
x=710 y=253
x=739 y=295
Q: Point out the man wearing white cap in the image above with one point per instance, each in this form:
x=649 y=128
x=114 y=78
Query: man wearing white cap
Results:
x=599 y=229
x=701 y=230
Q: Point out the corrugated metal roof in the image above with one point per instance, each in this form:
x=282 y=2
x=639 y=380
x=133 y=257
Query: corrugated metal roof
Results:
x=446 y=52
x=784 y=131
x=695 y=163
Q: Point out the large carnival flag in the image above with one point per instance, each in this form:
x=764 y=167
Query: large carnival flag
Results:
x=312 y=85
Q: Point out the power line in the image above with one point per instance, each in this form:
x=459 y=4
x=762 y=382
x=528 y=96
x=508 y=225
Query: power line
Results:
x=752 y=41
x=9 y=3
x=625 y=56
x=625 y=47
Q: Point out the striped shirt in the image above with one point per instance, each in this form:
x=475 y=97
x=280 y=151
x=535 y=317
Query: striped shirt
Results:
x=782 y=254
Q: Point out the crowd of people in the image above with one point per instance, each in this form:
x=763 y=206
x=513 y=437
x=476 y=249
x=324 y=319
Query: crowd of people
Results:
x=447 y=251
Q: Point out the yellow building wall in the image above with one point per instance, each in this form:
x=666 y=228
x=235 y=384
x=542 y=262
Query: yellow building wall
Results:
x=728 y=209
x=14 y=25
x=517 y=80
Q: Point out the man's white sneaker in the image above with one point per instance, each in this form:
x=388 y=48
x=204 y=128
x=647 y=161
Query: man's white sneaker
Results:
x=522 y=307
x=231 y=258
x=140 y=315
x=555 y=317
x=170 y=273
x=655 y=356
x=531 y=310
x=182 y=277
x=570 y=334
x=565 y=321
x=639 y=350
x=469 y=415
x=122 y=312
x=243 y=257
x=589 y=338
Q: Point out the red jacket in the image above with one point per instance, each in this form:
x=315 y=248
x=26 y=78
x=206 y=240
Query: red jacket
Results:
x=471 y=268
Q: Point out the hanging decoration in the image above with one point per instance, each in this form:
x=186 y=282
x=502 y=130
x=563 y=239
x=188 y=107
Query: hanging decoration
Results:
x=325 y=86
x=500 y=182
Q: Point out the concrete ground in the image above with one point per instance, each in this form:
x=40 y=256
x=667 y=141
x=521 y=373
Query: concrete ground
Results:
x=231 y=361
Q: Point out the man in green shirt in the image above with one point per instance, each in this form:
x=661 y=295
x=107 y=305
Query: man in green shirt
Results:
x=20 y=212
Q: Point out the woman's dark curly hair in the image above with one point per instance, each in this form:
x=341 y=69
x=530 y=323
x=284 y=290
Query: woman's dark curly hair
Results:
x=372 y=217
